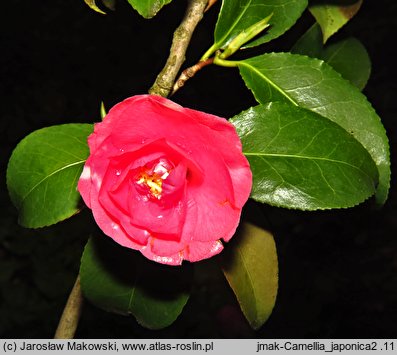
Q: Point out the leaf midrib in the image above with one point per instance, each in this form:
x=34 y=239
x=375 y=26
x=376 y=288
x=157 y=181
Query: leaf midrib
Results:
x=270 y=82
x=251 y=283
x=134 y=287
x=49 y=175
x=278 y=155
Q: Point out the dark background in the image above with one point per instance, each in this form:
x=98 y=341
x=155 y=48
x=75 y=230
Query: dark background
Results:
x=59 y=59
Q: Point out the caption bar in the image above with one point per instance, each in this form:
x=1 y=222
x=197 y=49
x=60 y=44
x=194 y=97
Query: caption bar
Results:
x=215 y=346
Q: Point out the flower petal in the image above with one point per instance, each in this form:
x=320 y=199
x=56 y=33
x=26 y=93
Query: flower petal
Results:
x=165 y=180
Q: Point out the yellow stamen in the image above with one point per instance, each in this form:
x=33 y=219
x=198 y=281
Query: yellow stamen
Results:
x=153 y=178
x=153 y=182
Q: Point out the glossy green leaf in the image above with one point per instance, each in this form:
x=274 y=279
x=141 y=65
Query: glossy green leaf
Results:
x=348 y=57
x=238 y=15
x=332 y=15
x=148 y=8
x=92 y=4
x=302 y=160
x=250 y=266
x=43 y=172
x=121 y=280
x=312 y=84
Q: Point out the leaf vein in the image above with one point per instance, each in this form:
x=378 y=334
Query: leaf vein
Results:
x=270 y=82
x=49 y=175
x=278 y=155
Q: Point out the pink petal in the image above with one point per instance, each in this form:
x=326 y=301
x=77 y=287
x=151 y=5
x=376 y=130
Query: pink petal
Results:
x=200 y=201
x=197 y=251
x=170 y=259
x=84 y=184
x=159 y=219
x=241 y=176
x=210 y=220
x=111 y=227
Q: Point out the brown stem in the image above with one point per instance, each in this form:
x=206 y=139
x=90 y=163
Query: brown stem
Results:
x=189 y=73
x=182 y=35
x=71 y=314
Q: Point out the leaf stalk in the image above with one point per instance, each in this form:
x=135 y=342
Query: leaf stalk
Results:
x=225 y=63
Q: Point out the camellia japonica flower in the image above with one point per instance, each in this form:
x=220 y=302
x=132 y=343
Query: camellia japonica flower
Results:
x=165 y=180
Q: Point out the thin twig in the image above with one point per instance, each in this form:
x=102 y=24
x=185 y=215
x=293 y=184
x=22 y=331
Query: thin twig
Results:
x=189 y=73
x=71 y=314
x=182 y=35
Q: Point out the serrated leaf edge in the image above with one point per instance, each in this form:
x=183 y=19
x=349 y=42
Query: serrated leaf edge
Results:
x=381 y=200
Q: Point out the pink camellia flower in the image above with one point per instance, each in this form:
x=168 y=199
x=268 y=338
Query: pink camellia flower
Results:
x=165 y=180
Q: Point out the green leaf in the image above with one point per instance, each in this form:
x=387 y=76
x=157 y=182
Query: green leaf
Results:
x=92 y=4
x=310 y=43
x=43 y=172
x=250 y=266
x=331 y=16
x=121 y=280
x=238 y=15
x=348 y=57
x=148 y=8
x=312 y=84
x=245 y=36
x=302 y=160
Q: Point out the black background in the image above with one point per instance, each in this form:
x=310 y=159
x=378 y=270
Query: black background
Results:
x=59 y=59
